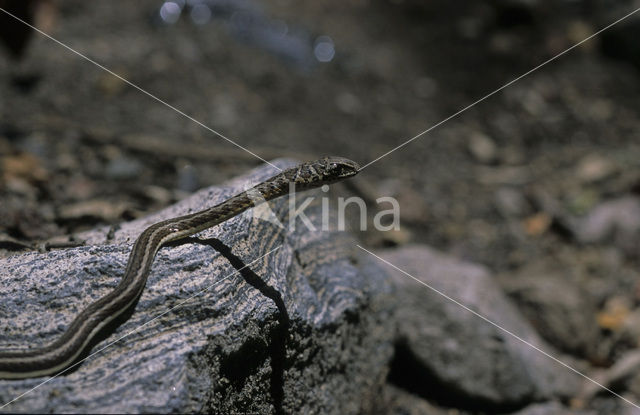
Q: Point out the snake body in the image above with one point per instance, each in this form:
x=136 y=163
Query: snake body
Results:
x=61 y=353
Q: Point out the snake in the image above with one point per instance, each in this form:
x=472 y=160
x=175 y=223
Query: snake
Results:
x=59 y=355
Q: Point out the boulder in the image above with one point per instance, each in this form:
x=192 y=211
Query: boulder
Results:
x=448 y=355
x=304 y=327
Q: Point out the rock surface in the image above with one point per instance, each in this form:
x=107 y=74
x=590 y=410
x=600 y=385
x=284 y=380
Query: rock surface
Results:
x=400 y=402
x=548 y=408
x=448 y=355
x=302 y=329
x=556 y=305
x=615 y=221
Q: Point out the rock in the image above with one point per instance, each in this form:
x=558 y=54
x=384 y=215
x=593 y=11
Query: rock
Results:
x=537 y=224
x=123 y=168
x=631 y=328
x=625 y=368
x=188 y=178
x=616 y=221
x=448 y=355
x=560 y=310
x=615 y=314
x=399 y=402
x=555 y=408
x=303 y=329
x=482 y=148
x=593 y=168
x=92 y=210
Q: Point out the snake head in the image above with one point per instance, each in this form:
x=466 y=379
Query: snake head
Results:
x=336 y=168
x=320 y=172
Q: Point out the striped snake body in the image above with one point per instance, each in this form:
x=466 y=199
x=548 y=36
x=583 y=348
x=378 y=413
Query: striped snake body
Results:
x=60 y=354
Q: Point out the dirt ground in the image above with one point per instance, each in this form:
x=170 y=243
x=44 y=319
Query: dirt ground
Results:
x=504 y=184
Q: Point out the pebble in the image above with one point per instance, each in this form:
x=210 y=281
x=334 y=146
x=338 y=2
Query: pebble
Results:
x=482 y=147
x=615 y=221
x=593 y=168
x=92 y=209
x=123 y=168
x=188 y=178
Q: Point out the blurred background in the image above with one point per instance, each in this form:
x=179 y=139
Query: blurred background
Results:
x=540 y=182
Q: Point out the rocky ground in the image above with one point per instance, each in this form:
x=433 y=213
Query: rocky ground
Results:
x=538 y=185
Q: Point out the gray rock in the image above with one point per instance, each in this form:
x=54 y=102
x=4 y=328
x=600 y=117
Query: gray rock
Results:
x=548 y=408
x=315 y=336
x=626 y=368
x=482 y=147
x=447 y=354
x=616 y=221
x=399 y=402
x=556 y=305
x=123 y=168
